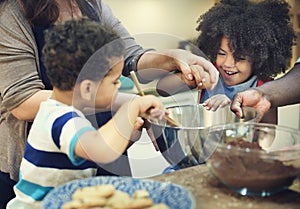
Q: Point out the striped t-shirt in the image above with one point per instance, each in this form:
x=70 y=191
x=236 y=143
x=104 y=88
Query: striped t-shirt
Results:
x=49 y=158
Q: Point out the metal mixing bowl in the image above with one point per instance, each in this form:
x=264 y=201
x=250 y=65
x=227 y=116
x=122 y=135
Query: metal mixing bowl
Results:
x=183 y=146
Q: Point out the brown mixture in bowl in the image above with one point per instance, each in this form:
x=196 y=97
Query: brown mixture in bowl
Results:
x=251 y=170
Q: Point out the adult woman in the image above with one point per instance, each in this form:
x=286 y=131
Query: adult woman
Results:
x=24 y=83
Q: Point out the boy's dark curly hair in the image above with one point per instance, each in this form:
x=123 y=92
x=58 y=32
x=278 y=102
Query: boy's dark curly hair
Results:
x=69 y=46
x=261 y=31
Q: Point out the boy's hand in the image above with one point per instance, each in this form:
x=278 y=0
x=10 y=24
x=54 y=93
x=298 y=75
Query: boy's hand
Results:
x=137 y=132
x=151 y=107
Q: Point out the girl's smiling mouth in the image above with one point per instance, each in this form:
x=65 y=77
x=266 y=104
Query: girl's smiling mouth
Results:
x=230 y=72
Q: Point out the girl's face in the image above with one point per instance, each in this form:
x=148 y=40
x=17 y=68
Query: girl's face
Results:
x=232 y=72
x=108 y=88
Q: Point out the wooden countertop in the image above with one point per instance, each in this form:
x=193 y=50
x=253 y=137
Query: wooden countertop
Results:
x=209 y=193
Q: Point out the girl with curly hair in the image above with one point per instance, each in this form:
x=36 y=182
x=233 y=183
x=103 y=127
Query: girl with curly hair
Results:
x=249 y=42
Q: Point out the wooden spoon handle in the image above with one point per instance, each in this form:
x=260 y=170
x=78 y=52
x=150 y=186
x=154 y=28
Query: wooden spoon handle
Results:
x=170 y=121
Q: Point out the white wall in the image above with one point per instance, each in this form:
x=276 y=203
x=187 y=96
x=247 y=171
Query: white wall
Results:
x=169 y=20
x=289 y=116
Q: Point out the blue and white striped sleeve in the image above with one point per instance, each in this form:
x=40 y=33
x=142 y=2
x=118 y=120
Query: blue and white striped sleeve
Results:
x=66 y=131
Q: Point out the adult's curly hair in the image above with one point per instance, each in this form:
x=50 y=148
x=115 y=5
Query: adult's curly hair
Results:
x=261 y=31
x=69 y=46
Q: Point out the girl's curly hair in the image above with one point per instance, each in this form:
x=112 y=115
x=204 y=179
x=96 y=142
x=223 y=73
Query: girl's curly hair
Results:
x=261 y=31
x=69 y=46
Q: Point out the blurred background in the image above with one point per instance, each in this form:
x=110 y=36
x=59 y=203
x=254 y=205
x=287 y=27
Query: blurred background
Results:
x=164 y=24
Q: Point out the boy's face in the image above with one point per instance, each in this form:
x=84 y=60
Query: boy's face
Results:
x=109 y=85
x=232 y=72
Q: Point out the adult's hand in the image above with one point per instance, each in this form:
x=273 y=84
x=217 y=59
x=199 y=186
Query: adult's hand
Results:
x=157 y=64
x=254 y=98
x=192 y=67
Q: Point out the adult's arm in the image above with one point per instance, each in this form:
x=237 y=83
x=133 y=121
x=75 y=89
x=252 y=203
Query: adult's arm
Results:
x=280 y=92
x=152 y=64
x=161 y=63
x=285 y=90
x=20 y=87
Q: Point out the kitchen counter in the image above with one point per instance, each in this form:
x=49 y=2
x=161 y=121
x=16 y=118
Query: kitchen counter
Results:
x=209 y=193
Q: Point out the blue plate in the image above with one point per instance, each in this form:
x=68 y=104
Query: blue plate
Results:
x=173 y=195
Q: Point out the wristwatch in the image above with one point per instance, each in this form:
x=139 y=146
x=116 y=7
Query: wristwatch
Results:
x=132 y=65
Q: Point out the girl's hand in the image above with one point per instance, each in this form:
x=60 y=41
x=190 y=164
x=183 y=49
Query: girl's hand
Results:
x=216 y=101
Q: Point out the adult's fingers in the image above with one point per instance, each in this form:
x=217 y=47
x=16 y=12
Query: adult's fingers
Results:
x=186 y=70
x=236 y=105
x=211 y=69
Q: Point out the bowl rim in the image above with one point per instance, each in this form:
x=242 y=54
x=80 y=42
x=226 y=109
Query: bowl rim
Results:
x=238 y=150
x=202 y=127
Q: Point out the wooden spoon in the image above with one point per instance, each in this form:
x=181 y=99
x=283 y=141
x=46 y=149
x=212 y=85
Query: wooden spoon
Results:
x=169 y=120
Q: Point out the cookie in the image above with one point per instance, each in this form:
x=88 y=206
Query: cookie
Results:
x=140 y=203
x=159 y=206
x=93 y=201
x=107 y=197
x=140 y=194
x=104 y=191
x=120 y=200
x=73 y=204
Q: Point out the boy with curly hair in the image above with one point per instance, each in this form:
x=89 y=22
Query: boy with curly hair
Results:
x=249 y=42
x=84 y=61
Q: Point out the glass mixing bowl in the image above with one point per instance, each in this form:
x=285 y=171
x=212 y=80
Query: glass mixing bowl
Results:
x=254 y=159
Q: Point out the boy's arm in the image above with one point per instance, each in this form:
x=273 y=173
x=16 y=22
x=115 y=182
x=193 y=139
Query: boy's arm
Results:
x=112 y=139
x=122 y=98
